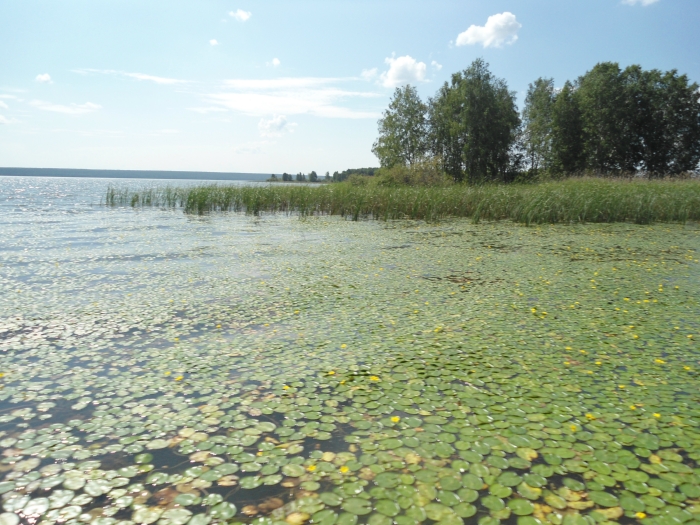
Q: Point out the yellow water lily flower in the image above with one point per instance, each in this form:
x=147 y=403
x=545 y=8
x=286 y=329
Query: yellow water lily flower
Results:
x=395 y=419
x=373 y=378
x=640 y=515
x=311 y=468
x=656 y=414
x=344 y=469
x=179 y=378
x=659 y=361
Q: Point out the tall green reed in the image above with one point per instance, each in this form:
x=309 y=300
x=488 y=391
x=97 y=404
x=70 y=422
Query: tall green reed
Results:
x=570 y=200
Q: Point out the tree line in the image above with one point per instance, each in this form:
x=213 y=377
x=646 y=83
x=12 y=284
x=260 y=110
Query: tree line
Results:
x=301 y=177
x=608 y=121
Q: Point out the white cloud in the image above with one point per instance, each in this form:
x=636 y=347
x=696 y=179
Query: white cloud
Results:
x=280 y=83
x=290 y=96
x=3 y=105
x=369 y=74
x=5 y=120
x=151 y=78
x=436 y=66
x=275 y=62
x=211 y=109
x=73 y=109
x=214 y=42
x=402 y=70
x=137 y=76
x=275 y=126
x=499 y=29
x=240 y=15
x=44 y=78
x=639 y=2
x=251 y=147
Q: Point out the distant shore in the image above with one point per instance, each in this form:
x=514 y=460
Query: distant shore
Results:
x=131 y=174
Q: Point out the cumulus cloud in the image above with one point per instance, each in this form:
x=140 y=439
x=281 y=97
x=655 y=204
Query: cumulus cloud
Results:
x=369 y=74
x=137 y=76
x=639 y=2
x=290 y=96
x=402 y=70
x=240 y=15
x=436 y=66
x=213 y=42
x=3 y=105
x=44 y=78
x=72 y=109
x=275 y=126
x=499 y=29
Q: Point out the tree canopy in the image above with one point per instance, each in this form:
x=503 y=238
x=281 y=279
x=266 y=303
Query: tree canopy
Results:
x=607 y=121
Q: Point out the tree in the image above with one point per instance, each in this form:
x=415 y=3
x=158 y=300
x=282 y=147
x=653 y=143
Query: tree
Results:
x=301 y=177
x=567 y=154
x=473 y=124
x=402 y=130
x=313 y=177
x=328 y=176
x=666 y=120
x=608 y=120
x=537 y=124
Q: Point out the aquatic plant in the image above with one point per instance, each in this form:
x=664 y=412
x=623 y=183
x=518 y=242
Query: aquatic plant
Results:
x=579 y=200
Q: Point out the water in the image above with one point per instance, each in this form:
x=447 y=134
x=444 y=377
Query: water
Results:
x=163 y=368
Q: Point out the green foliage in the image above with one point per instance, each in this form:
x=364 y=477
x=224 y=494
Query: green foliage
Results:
x=607 y=116
x=343 y=175
x=313 y=177
x=537 y=124
x=567 y=154
x=624 y=121
x=402 y=130
x=427 y=172
x=572 y=200
x=608 y=122
x=473 y=124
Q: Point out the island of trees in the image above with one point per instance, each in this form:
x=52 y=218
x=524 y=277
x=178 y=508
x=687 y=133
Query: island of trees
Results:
x=609 y=121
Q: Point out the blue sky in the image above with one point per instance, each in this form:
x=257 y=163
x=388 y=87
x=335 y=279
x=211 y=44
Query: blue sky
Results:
x=273 y=86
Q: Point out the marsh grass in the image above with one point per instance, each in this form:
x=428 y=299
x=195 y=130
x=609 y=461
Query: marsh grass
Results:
x=570 y=200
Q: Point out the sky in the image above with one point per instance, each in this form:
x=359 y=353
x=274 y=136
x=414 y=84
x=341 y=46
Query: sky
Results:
x=284 y=85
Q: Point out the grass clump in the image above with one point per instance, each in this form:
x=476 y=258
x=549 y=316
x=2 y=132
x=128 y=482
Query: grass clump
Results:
x=574 y=200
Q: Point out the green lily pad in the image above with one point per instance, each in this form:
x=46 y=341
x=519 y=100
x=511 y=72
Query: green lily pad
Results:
x=387 y=507
x=357 y=506
x=521 y=507
x=604 y=499
x=293 y=471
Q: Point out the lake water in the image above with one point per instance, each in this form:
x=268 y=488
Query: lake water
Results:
x=164 y=368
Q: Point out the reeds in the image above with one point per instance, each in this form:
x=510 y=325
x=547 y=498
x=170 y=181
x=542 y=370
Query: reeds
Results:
x=570 y=200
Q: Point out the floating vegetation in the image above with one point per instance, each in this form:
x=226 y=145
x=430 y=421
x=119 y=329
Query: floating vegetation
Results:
x=163 y=368
x=569 y=201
